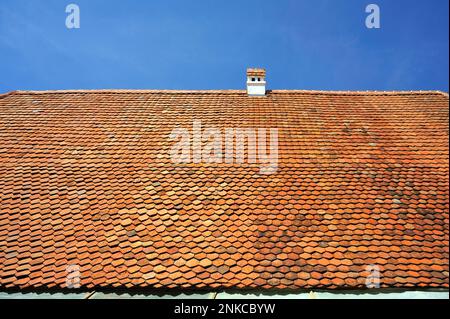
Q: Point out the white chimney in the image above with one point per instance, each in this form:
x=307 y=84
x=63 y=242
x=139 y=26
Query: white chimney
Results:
x=256 y=82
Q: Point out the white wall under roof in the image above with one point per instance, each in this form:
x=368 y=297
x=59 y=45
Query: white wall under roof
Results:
x=354 y=294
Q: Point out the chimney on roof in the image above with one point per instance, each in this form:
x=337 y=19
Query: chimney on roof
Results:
x=256 y=82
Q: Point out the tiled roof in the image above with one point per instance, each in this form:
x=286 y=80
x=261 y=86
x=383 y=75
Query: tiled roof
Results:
x=86 y=180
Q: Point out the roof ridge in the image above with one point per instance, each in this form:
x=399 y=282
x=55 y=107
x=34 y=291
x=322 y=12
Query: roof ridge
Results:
x=375 y=92
x=2 y=95
x=126 y=91
x=325 y=92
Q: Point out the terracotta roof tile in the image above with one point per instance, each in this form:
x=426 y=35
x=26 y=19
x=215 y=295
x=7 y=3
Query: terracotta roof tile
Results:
x=86 y=179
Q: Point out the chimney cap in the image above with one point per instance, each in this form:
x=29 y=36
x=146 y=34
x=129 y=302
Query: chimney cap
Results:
x=256 y=72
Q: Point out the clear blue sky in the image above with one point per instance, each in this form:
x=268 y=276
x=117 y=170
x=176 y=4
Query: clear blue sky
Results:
x=310 y=44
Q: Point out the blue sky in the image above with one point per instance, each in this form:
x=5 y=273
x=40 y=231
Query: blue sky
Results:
x=136 y=44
